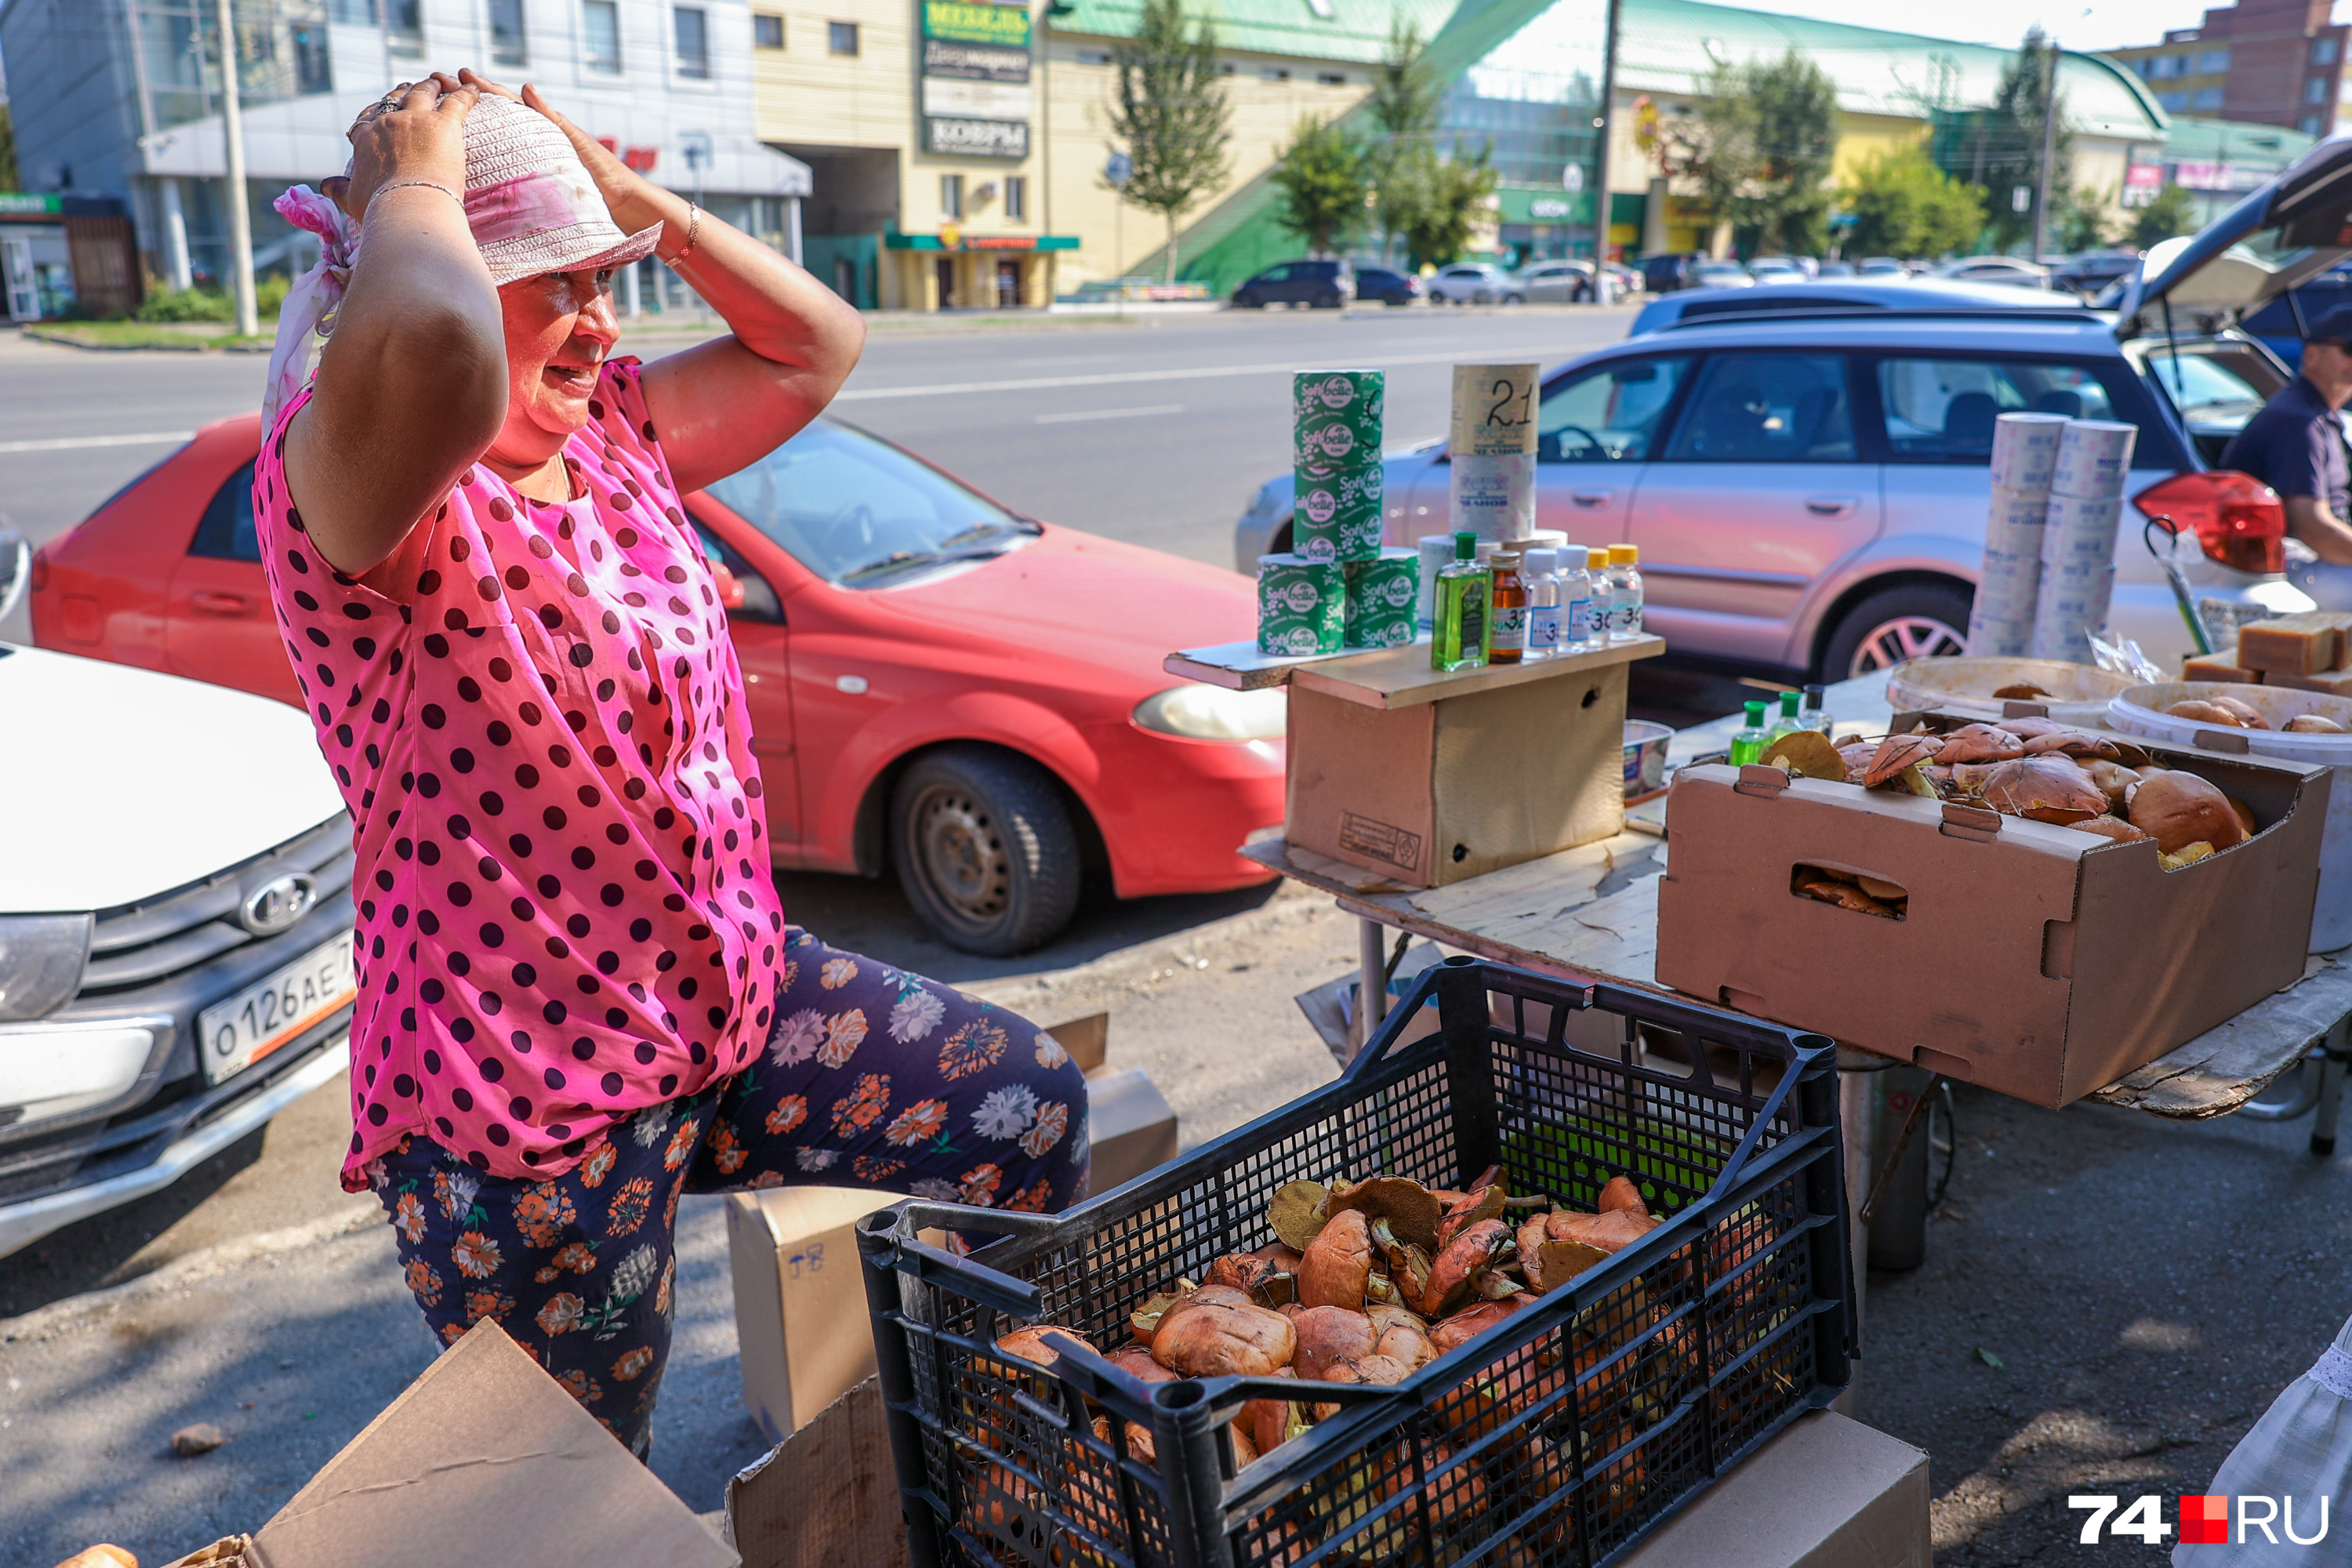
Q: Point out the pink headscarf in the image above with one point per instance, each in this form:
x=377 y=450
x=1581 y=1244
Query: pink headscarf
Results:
x=309 y=307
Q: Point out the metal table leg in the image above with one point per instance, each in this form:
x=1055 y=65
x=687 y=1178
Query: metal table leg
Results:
x=1857 y=1118
x=1372 y=982
x=2336 y=1057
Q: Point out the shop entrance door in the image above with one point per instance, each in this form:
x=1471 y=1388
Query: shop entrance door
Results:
x=17 y=274
x=947 y=271
x=1008 y=284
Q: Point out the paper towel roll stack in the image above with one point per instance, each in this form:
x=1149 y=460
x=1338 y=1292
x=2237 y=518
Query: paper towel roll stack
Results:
x=2024 y=454
x=2078 y=537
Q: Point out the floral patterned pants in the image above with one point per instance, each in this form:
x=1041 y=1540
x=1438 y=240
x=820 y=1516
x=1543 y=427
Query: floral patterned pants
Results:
x=873 y=1078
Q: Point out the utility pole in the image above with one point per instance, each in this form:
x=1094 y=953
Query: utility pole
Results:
x=240 y=224
x=2049 y=151
x=1606 y=124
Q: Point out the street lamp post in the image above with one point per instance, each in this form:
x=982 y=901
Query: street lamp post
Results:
x=2049 y=151
x=240 y=228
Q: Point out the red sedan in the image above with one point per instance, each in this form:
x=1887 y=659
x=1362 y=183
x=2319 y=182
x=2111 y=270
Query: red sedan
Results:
x=937 y=684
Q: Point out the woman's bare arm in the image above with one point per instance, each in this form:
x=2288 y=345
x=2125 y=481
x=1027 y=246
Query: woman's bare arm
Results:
x=412 y=386
x=726 y=404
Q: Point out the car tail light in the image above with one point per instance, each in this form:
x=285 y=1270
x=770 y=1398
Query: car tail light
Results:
x=40 y=580
x=2239 y=521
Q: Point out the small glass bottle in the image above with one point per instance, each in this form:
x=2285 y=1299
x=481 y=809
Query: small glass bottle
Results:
x=1506 y=641
x=1814 y=715
x=1542 y=572
x=1788 y=722
x=1625 y=593
x=1597 y=600
x=1459 y=641
x=1748 y=746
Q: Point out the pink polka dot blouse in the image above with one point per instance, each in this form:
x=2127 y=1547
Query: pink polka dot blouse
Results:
x=565 y=910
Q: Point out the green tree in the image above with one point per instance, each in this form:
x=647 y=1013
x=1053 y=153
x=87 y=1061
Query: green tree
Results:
x=1760 y=147
x=1172 y=114
x=9 y=179
x=2079 y=220
x=1404 y=107
x=1441 y=200
x=1903 y=205
x=1321 y=176
x=2174 y=212
x=2007 y=146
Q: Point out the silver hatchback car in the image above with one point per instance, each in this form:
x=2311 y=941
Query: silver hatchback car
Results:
x=1809 y=489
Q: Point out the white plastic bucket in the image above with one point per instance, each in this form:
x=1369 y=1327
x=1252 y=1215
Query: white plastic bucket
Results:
x=2141 y=711
x=2078 y=692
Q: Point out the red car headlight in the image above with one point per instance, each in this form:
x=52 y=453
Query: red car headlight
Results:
x=1199 y=712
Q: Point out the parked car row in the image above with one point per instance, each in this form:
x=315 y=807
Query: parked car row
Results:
x=2083 y=276
x=1328 y=284
x=1804 y=465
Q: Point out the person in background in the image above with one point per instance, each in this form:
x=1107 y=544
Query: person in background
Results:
x=2296 y=446
x=577 y=998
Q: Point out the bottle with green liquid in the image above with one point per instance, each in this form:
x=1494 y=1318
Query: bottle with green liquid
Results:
x=1748 y=746
x=1464 y=589
x=1790 y=720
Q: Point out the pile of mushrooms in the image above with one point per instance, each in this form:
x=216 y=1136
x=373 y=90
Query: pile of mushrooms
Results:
x=2037 y=768
x=1369 y=1282
x=2240 y=715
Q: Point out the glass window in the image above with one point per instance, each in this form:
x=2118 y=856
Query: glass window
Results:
x=226 y=532
x=2323 y=53
x=2206 y=394
x=1942 y=410
x=404 y=20
x=1016 y=198
x=2316 y=90
x=2173 y=103
x=767 y=32
x=754 y=596
x=1609 y=414
x=601 y=34
x=841 y=37
x=362 y=11
x=952 y=196
x=2214 y=62
x=692 y=26
x=1767 y=408
x=861 y=513
x=505 y=32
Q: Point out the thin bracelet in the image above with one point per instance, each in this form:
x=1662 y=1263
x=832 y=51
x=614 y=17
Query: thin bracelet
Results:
x=693 y=225
x=428 y=184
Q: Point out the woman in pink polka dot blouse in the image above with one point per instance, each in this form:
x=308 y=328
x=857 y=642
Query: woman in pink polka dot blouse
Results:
x=578 y=994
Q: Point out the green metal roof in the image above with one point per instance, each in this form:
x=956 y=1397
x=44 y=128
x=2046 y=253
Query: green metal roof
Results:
x=1670 y=47
x=2233 y=140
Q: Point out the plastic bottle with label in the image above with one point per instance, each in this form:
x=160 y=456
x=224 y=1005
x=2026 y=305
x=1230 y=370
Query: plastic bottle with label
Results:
x=1506 y=643
x=1625 y=593
x=1541 y=570
x=1597 y=600
x=1459 y=639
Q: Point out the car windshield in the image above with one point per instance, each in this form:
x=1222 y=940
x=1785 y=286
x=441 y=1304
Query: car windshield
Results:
x=858 y=511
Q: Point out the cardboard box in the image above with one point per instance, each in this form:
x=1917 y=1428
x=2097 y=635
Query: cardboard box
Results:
x=483 y=1459
x=1827 y=1492
x=1432 y=778
x=802 y=1329
x=826 y=1497
x=2034 y=959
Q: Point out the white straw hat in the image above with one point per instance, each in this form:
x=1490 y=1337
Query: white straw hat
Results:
x=530 y=201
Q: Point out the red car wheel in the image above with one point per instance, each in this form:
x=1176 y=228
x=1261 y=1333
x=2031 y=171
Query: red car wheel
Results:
x=985 y=849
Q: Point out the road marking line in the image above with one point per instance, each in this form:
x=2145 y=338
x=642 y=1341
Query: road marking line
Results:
x=70 y=443
x=1111 y=414
x=1191 y=373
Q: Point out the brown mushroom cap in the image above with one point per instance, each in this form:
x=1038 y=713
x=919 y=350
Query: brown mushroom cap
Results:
x=2048 y=788
x=1897 y=752
x=2075 y=743
x=1981 y=743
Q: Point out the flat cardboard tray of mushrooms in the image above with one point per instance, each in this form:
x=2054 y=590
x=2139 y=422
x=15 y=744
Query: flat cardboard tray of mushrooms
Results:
x=1327 y=1337
x=2019 y=903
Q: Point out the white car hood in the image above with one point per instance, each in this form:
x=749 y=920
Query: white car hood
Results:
x=118 y=784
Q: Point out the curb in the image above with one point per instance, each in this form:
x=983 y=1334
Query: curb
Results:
x=204 y=1263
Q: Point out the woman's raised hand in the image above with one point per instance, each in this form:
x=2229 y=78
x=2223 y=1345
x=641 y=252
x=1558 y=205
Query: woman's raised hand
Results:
x=628 y=195
x=415 y=131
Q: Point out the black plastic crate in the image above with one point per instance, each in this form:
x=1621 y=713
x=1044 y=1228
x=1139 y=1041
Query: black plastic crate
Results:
x=1558 y=1438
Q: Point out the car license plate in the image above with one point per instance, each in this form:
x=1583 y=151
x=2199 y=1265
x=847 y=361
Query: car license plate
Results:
x=239 y=1032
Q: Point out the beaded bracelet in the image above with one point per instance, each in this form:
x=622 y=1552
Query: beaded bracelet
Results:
x=693 y=225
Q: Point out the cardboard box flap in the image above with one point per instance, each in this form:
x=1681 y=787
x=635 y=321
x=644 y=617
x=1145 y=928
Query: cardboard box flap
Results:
x=825 y=1497
x=485 y=1460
